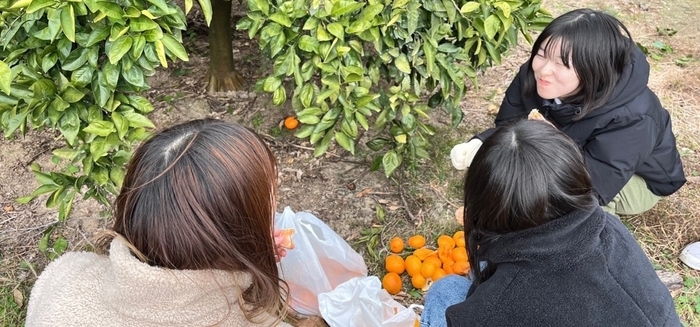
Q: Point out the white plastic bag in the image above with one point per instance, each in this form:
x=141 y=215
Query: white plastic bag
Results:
x=320 y=260
x=361 y=302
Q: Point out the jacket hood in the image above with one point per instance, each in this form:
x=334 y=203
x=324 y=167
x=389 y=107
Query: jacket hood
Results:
x=565 y=240
x=632 y=82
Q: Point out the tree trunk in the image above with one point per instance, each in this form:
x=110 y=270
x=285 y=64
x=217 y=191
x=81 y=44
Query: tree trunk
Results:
x=222 y=76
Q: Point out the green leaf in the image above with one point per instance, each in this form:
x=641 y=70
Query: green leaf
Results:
x=69 y=125
x=5 y=78
x=161 y=4
x=72 y=95
x=101 y=128
x=337 y=30
x=205 y=5
x=306 y=95
x=160 y=50
x=491 y=25
x=402 y=64
x=470 y=7
x=111 y=74
x=140 y=103
x=175 y=47
x=82 y=76
x=66 y=153
x=279 y=96
x=68 y=22
x=344 y=141
x=141 y=24
x=281 y=19
x=259 y=5
x=138 y=120
x=308 y=44
x=39 y=4
x=97 y=35
x=121 y=124
x=390 y=162
x=504 y=7
x=272 y=83
x=322 y=147
x=112 y=10
x=75 y=59
x=119 y=48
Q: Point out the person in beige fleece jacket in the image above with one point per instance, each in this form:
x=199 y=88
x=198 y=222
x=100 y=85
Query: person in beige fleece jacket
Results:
x=192 y=242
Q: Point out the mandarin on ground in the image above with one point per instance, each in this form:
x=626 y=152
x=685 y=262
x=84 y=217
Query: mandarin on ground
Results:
x=392 y=283
x=291 y=122
x=396 y=245
x=416 y=241
x=413 y=265
x=434 y=260
x=445 y=254
x=458 y=237
x=461 y=267
x=395 y=264
x=418 y=281
x=459 y=253
x=423 y=253
x=427 y=270
x=446 y=241
x=439 y=273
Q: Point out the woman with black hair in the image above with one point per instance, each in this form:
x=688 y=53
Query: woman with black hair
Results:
x=552 y=256
x=587 y=77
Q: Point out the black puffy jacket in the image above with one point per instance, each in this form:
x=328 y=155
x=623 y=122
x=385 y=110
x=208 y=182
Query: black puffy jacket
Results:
x=630 y=134
x=583 y=269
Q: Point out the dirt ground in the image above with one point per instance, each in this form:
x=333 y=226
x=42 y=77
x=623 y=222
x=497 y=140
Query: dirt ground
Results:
x=339 y=188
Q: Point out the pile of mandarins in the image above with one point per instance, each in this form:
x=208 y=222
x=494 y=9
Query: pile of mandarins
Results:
x=424 y=264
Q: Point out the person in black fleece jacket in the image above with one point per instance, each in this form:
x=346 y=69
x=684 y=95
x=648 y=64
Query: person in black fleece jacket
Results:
x=552 y=256
x=587 y=77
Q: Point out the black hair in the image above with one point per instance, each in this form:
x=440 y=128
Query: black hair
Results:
x=596 y=44
x=524 y=175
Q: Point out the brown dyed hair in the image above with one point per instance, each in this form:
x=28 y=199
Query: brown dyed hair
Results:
x=201 y=195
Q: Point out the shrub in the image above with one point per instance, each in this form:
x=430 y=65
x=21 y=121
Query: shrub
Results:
x=349 y=61
x=75 y=68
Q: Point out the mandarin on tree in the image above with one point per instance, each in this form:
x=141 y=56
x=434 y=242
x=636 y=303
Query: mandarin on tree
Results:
x=413 y=265
x=396 y=245
x=392 y=283
x=395 y=264
x=416 y=241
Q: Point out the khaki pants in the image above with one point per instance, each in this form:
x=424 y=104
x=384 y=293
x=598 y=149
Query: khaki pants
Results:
x=633 y=199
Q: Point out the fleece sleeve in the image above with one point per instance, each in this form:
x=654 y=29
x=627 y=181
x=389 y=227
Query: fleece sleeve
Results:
x=613 y=157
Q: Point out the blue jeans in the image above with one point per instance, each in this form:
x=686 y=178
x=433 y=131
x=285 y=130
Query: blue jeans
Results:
x=447 y=291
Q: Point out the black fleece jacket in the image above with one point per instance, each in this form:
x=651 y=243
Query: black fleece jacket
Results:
x=630 y=134
x=583 y=269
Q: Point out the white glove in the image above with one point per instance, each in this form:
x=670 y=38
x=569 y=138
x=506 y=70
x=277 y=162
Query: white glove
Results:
x=462 y=154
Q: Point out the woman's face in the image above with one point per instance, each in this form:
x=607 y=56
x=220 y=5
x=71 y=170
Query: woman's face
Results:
x=554 y=79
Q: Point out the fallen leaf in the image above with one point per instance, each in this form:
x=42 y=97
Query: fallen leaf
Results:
x=393 y=208
x=459 y=215
x=19 y=298
x=364 y=192
x=383 y=201
x=9 y=208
